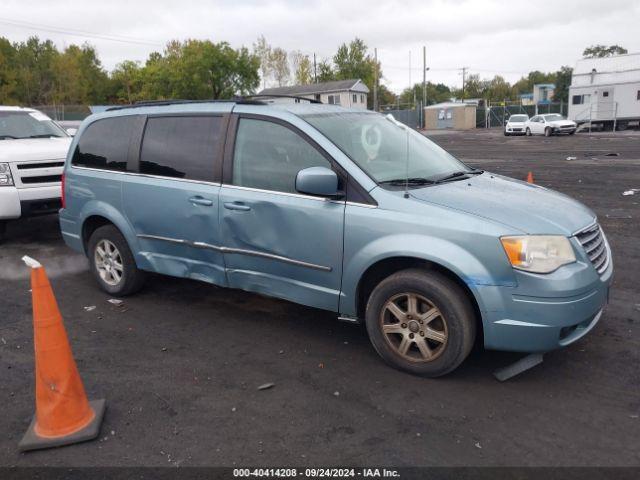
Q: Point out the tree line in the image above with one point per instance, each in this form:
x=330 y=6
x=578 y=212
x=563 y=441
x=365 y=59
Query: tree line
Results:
x=36 y=72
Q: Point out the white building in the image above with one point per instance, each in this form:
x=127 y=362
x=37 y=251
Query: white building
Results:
x=348 y=93
x=604 y=90
x=543 y=93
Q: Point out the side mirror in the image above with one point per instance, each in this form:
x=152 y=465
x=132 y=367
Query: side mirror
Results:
x=319 y=181
x=72 y=131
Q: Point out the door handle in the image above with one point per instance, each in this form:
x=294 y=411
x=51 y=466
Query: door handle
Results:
x=205 y=202
x=237 y=206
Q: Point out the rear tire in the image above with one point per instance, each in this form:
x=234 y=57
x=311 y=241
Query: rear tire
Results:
x=112 y=262
x=421 y=322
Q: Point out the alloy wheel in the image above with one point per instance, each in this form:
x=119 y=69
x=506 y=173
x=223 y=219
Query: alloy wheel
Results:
x=108 y=261
x=414 y=327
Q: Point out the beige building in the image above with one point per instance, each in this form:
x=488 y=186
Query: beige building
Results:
x=347 y=93
x=455 y=115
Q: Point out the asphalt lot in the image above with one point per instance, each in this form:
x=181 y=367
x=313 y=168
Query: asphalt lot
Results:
x=180 y=363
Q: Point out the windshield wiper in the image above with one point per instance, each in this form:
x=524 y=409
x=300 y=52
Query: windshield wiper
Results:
x=408 y=181
x=460 y=175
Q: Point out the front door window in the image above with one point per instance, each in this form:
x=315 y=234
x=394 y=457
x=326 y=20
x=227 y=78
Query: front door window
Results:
x=268 y=156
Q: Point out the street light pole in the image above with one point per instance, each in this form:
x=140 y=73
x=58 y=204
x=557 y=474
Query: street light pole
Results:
x=424 y=76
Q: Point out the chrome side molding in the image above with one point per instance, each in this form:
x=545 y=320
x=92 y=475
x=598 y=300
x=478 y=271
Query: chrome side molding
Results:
x=236 y=251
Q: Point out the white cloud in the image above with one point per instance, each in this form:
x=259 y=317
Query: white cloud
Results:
x=492 y=36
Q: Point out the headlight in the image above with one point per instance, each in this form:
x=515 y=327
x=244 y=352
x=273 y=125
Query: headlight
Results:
x=538 y=253
x=5 y=175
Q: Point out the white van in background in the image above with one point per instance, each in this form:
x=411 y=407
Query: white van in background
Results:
x=33 y=149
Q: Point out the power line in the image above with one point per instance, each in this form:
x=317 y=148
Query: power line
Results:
x=78 y=33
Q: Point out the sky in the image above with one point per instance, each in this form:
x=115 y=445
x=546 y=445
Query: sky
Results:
x=490 y=37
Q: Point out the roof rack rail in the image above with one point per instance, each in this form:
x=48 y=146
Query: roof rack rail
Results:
x=295 y=97
x=159 y=103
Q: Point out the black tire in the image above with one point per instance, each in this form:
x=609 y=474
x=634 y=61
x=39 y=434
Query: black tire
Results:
x=547 y=132
x=456 y=321
x=131 y=279
x=572 y=132
x=528 y=132
x=3 y=230
x=506 y=134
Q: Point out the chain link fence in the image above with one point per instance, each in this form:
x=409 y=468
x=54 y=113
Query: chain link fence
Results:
x=496 y=115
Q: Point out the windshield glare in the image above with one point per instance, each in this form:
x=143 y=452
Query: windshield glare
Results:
x=384 y=149
x=28 y=125
x=518 y=118
x=553 y=117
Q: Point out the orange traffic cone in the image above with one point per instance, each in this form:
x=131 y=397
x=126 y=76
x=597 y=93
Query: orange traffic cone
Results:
x=530 y=178
x=63 y=413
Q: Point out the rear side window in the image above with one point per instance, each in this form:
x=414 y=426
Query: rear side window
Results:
x=181 y=147
x=105 y=144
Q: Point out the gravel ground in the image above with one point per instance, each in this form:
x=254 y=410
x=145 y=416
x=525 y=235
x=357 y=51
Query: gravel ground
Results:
x=180 y=363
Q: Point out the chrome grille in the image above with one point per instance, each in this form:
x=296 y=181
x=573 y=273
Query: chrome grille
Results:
x=592 y=240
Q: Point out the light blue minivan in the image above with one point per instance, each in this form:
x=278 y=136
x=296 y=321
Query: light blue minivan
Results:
x=343 y=210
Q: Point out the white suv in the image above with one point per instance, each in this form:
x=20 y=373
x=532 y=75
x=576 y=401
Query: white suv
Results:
x=516 y=125
x=33 y=149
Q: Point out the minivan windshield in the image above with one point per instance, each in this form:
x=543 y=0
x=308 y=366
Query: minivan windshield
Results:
x=21 y=124
x=385 y=149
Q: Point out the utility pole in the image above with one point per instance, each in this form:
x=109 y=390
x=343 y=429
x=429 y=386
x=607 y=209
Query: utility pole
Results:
x=464 y=78
x=410 y=86
x=375 y=80
x=424 y=76
x=315 y=69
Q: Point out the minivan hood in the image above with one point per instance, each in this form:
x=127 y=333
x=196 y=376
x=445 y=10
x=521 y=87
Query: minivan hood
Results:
x=529 y=208
x=34 y=149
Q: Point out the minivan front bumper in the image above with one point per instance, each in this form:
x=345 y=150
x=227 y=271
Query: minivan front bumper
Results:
x=528 y=319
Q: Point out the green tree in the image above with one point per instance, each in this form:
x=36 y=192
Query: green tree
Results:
x=385 y=96
x=325 y=71
x=302 y=68
x=563 y=82
x=474 y=87
x=35 y=79
x=202 y=69
x=79 y=77
x=436 y=93
x=497 y=89
x=525 y=84
x=353 y=61
x=126 y=81
x=600 y=51
x=279 y=61
x=8 y=73
x=262 y=50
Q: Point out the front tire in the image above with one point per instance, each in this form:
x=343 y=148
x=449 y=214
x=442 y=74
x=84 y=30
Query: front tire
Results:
x=547 y=132
x=528 y=132
x=112 y=262
x=421 y=322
